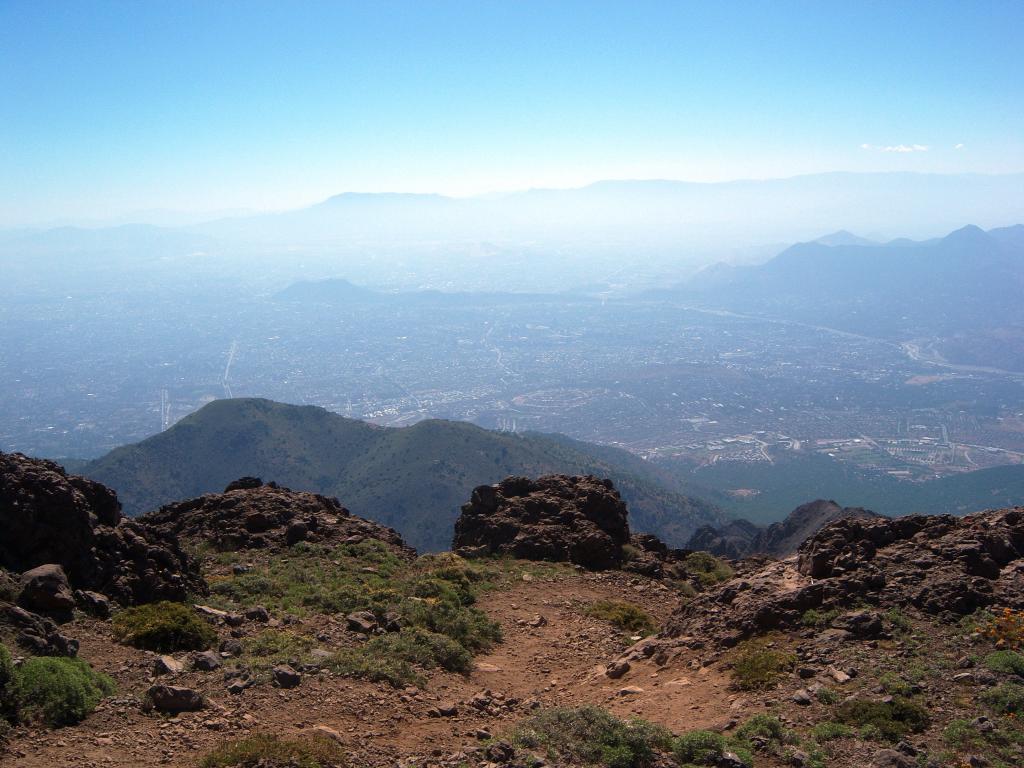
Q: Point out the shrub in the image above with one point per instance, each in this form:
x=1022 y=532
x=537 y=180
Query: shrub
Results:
x=707 y=748
x=1005 y=698
x=895 y=685
x=626 y=616
x=426 y=649
x=824 y=732
x=7 y=710
x=163 y=627
x=277 y=645
x=756 y=666
x=1006 y=627
x=592 y=736
x=899 y=620
x=767 y=728
x=884 y=721
x=827 y=696
x=1007 y=662
x=812 y=617
x=58 y=691
x=707 y=569
x=263 y=751
x=359 y=663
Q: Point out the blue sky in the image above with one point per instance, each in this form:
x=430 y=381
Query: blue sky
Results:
x=113 y=107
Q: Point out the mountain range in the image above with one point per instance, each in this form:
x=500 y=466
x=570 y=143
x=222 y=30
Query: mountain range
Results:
x=413 y=479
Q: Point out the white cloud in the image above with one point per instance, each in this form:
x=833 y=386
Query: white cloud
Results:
x=959 y=146
x=900 y=148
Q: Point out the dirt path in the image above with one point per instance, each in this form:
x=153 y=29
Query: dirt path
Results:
x=552 y=654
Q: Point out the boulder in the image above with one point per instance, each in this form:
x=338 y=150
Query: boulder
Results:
x=251 y=514
x=206 y=661
x=174 y=699
x=555 y=517
x=285 y=677
x=93 y=603
x=45 y=589
x=37 y=634
x=51 y=517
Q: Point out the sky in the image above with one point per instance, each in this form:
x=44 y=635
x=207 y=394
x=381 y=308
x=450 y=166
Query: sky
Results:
x=110 y=108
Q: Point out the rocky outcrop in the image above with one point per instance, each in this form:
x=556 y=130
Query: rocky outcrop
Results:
x=741 y=538
x=555 y=517
x=940 y=564
x=251 y=514
x=51 y=517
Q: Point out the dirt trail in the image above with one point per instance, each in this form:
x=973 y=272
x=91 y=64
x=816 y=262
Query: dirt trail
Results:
x=557 y=659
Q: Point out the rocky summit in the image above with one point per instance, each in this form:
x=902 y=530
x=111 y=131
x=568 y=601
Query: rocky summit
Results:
x=552 y=634
x=49 y=517
x=251 y=514
x=941 y=565
x=580 y=520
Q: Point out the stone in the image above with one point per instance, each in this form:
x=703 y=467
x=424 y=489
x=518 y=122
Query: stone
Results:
x=93 y=603
x=285 y=677
x=174 y=699
x=167 y=665
x=45 y=589
x=630 y=690
x=617 y=669
x=257 y=613
x=206 y=661
x=890 y=758
x=363 y=622
x=803 y=697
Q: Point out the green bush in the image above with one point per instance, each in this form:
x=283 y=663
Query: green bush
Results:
x=7 y=710
x=590 y=735
x=163 y=627
x=263 y=751
x=359 y=663
x=894 y=684
x=756 y=666
x=812 y=617
x=824 y=732
x=626 y=616
x=884 y=721
x=423 y=648
x=1007 y=662
x=58 y=691
x=707 y=569
x=1005 y=698
x=698 y=748
x=767 y=728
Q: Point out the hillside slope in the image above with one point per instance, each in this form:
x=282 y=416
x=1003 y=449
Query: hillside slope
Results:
x=413 y=479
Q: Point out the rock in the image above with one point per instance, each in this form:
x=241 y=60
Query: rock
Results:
x=167 y=665
x=51 y=517
x=806 y=673
x=45 y=589
x=231 y=647
x=800 y=759
x=206 y=661
x=556 y=517
x=174 y=699
x=330 y=733
x=890 y=758
x=363 y=622
x=630 y=690
x=617 y=669
x=285 y=677
x=937 y=564
x=93 y=603
x=838 y=675
x=37 y=634
x=250 y=514
x=257 y=613
x=500 y=752
x=803 y=697
x=537 y=621
x=446 y=709
x=729 y=760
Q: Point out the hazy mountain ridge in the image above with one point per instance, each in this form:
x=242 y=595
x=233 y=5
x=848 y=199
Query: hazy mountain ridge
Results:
x=412 y=479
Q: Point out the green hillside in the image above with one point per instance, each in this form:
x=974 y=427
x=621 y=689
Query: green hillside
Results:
x=414 y=478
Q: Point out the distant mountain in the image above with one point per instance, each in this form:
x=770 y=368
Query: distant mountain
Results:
x=842 y=237
x=331 y=291
x=969 y=282
x=413 y=479
x=702 y=215
x=741 y=538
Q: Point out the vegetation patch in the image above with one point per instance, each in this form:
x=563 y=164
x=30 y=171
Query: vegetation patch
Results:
x=812 y=617
x=884 y=720
x=626 y=616
x=830 y=731
x=1005 y=698
x=264 y=751
x=163 y=627
x=57 y=691
x=1007 y=662
x=699 y=748
x=592 y=736
x=1000 y=743
x=757 y=665
x=707 y=569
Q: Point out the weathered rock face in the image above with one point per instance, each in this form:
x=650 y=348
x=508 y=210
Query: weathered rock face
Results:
x=555 y=517
x=939 y=564
x=253 y=515
x=51 y=517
